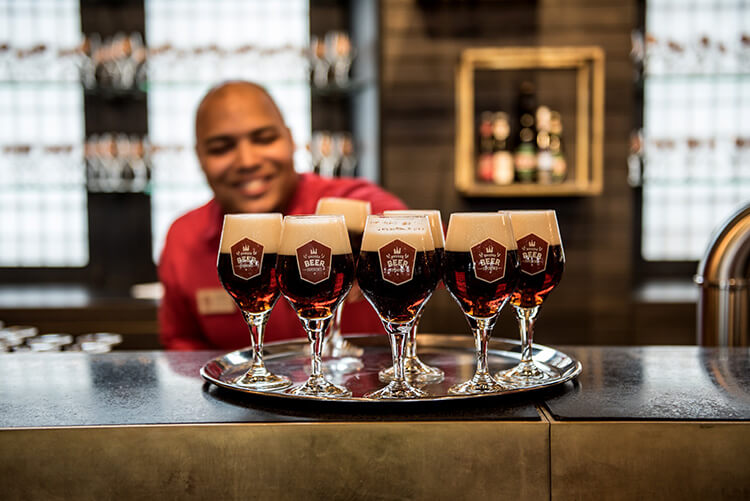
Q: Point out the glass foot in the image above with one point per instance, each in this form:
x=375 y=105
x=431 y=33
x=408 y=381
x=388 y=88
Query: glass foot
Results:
x=480 y=383
x=397 y=390
x=527 y=373
x=318 y=386
x=261 y=379
x=337 y=346
x=414 y=370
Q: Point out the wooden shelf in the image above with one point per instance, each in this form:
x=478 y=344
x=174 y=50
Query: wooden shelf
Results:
x=588 y=63
x=566 y=189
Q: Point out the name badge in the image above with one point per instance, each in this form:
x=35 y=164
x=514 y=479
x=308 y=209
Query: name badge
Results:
x=214 y=302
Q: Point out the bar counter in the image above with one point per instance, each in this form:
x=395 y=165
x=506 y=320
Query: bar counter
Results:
x=640 y=422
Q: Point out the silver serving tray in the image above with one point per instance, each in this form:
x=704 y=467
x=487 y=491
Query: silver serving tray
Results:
x=454 y=354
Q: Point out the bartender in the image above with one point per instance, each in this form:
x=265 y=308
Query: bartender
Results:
x=246 y=152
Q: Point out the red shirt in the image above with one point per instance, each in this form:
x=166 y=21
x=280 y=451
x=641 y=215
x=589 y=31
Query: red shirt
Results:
x=196 y=313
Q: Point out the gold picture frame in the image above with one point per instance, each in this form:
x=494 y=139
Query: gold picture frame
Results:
x=588 y=63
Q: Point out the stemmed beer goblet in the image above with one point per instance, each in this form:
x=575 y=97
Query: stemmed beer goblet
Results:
x=414 y=368
x=481 y=272
x=355 y=214
x=396 y=276
x=542 y=261
x=315 y=272
x=247 y=269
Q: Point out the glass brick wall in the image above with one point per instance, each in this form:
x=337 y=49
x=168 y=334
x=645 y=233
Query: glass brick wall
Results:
x=198 y=44
x=43 y=211
x=696 y=135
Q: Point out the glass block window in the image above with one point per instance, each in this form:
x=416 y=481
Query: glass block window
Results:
x=43 y=211
x=696 y=123
x=196 y=44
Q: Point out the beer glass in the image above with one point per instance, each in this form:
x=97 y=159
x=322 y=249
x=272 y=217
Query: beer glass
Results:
x=315 y=270
x=396 y=275
x=247 y=270
x=481 y=272
x=542 y=262
x=414 y=368
x=355 y=214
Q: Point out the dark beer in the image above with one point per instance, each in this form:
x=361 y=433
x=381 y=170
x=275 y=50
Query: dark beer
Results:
x=532 y=290
x=438 y=264
x=355 y=239
x=315 y=300
x=479 y=298
x=255 y=295
x=397 y=303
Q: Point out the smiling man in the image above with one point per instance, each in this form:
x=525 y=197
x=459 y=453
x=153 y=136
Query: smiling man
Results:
x=246 y=152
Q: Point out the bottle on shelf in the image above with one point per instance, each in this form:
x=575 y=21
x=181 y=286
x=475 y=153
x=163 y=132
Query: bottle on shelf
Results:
x=525 y=154
x=559 y=164
x=544 y=153
x=503 y=171
x=484 y=157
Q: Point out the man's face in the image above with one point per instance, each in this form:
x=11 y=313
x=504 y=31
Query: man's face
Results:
x=245 y=150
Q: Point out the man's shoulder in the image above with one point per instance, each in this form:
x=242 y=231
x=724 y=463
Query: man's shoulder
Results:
x=336 y=186
x=312 y=187
x=194 y=223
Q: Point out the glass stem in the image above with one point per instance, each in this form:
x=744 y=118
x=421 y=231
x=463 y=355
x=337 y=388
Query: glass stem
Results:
x=315 y=329
x=526 y=320
x=411 y=342
x=482 y=332
x=397 y=333
x=336 y=327
x=257 y=324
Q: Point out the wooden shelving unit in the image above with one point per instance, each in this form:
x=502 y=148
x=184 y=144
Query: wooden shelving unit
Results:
x=586 y=174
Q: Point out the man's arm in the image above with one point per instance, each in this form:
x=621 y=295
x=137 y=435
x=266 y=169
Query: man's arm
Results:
x=178 y=327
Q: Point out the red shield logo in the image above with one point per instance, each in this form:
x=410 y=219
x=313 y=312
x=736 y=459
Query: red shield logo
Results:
x=532 y=253
x=247 y=258
x=489 y=260
x=314 y=262
x=397 y=262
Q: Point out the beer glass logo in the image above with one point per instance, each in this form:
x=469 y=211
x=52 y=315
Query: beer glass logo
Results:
x=247 y=257
x=397 y=262
x=532 y=253
x=489 y=260
x=314 y=262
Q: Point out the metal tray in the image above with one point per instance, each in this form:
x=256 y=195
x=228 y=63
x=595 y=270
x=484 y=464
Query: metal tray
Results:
x=454 y=354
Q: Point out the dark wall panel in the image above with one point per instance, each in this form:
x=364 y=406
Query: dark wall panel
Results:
x=421 y=43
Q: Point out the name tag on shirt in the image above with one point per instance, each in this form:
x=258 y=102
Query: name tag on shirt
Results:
x=214 y=302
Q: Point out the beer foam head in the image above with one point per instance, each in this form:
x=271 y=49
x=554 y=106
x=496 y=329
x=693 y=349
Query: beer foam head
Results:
x=466 y=229
x=262 y=228
x=382 y=230
x=436 y=223
x=355 y=212
x=329 y=230
x=542 y=223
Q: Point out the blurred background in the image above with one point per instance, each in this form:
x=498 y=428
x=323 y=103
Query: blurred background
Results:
x=97 y=100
